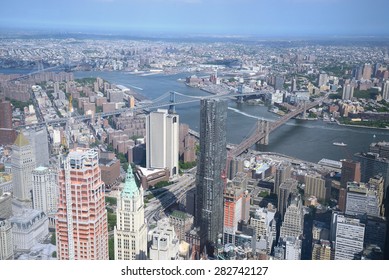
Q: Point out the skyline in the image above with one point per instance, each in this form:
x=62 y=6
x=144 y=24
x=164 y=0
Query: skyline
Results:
x=284 y=18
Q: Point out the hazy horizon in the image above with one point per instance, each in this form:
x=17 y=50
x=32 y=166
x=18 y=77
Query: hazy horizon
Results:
x=254 y=18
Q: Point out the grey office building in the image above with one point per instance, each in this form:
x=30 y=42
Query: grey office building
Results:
x=211 y=169
x=38 y=139
x=371 y=165
x=284 y=194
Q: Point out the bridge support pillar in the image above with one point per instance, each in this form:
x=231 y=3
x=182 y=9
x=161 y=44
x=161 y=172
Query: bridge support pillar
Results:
x=172 y=108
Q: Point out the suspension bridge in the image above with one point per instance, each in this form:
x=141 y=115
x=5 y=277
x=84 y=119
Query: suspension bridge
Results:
x=260 y=133
x=66 y=66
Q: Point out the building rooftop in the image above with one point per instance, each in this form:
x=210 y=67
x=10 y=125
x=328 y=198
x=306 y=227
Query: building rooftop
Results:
x=41 y=168
x=107 y=162
x=149 y=171
x=21 y=140
x=27 y=218
x=130 y=187
x=330 y=163
x=180 y=215
x=5 y=177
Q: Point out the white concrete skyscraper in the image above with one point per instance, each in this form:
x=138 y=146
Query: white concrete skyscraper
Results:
x=130 y=232
x=385 y=90
x=23 y=163
x=162 y=141
x=348 y=92
x=349 y=238
x=45 y=190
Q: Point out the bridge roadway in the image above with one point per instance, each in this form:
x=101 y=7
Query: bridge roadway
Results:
x=57 y=67
x=259 y=133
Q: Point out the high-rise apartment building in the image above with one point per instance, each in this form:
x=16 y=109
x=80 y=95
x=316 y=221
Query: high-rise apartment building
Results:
x=367 y=70
x=348 y=92
x=385 y=90
x=376 y=68
x=294 y=85
x=81 y=220
x=211 y=170
x=162 y=141
x=130 y=231
x=45 y=190
x=322 y=79
x=349 y=238
x=23 y=163
x=357 y=72
x=5 y=114
x=279 y=83
x=351 y=172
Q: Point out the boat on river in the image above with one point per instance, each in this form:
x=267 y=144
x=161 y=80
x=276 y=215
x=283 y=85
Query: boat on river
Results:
x=341 y=144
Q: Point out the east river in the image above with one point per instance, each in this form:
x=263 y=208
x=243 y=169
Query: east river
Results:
x=307 y=140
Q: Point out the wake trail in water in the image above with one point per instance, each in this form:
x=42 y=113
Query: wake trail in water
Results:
x=135 y=87
x=248 y=115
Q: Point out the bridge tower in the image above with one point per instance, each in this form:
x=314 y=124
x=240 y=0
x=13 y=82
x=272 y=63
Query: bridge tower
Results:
x=39 y=65
x=304 y=114
x=240 y=91
x=263 y=127
x=172 y=108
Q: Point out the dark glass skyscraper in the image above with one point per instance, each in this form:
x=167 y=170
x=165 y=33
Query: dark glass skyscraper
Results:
x=211 y=169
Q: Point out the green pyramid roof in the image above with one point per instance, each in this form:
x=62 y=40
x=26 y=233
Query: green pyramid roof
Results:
x=130 y=188
x=21 y=140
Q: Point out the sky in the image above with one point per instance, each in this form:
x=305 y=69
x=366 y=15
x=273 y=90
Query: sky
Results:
x=200 y=17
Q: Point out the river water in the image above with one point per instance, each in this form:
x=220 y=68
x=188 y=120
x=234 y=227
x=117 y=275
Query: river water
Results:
x=307 y=140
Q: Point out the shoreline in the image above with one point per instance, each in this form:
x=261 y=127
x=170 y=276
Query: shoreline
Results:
x=361 y=126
